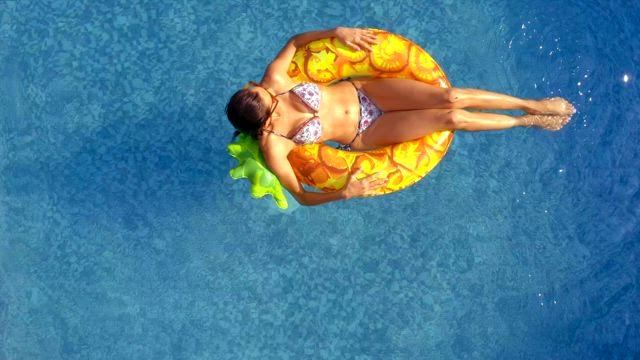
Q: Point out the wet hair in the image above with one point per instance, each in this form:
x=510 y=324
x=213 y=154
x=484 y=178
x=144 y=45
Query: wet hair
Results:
x=247 y=113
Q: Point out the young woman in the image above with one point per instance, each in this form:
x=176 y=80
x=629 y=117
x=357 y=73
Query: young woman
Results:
x=365 y=113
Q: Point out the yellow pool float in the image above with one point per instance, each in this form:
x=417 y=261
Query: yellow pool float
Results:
x=326 y=168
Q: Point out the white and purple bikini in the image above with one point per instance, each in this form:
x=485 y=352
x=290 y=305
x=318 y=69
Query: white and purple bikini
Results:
x=311 y=131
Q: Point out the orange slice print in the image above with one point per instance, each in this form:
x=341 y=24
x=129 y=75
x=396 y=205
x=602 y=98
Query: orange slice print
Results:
x=319 y=66
x=391 y=54
x=422 y=66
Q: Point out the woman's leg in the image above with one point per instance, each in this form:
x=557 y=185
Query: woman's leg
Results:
x=399 y=126
x=405 y=94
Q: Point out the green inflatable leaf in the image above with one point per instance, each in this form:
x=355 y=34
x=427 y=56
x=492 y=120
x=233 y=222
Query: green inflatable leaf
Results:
x=253 y=167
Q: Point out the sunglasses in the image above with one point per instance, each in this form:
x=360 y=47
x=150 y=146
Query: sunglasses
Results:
x=274 y=99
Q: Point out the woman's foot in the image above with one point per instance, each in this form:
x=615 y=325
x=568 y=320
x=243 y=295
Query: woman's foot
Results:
x=550 y=106
x=547 y=122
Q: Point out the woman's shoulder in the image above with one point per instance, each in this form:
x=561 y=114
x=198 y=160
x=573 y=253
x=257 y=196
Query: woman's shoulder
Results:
x=278 y=83
x=273 y=145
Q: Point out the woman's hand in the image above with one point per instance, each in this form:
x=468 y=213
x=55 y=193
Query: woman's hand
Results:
x=364 y=186
x=356 y=38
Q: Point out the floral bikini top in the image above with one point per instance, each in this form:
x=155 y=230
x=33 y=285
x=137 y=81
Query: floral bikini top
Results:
x=311 y=131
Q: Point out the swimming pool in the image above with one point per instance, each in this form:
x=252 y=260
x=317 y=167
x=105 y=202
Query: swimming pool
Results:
x=123 y=236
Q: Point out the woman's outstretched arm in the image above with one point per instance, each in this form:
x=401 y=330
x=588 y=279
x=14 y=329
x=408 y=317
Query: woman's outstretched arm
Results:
x=278 y=163
x=354 y=37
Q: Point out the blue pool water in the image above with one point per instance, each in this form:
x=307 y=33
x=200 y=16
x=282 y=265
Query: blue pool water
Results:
x=122 y=235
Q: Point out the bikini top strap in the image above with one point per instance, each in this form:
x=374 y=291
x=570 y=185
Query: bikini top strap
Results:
x=276 y=133
x=315 y=112
x=297 y=129
x=293 y=87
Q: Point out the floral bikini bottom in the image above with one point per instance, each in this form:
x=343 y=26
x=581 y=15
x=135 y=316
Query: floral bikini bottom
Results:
x=369 y=112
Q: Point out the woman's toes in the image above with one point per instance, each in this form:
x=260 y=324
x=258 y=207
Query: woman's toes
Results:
x=547 y=122
x=568 y=107
x=553 y=106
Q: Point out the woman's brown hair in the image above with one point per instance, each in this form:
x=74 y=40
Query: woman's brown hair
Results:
x=246 y=112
